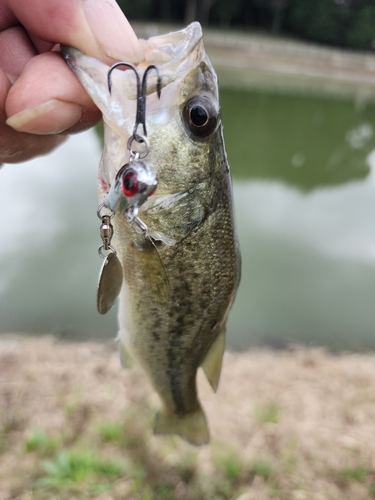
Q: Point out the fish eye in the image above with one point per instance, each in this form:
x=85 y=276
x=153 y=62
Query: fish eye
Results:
x=200 y=116
x=130 y=184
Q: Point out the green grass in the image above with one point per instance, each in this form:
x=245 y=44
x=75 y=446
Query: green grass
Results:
x=371 y=490
x=79 y=472
x=263 y=468
x=71 y=467
x=76 y=471
x=38 y=440
x=288 y=455
x=70 y=408
x=231 y=465
x=111 y=432
x=354 y=473
x=268 y=413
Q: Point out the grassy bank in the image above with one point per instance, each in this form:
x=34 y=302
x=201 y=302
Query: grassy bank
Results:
x=296 y=424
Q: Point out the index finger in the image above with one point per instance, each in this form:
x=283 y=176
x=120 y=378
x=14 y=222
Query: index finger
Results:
x=97 y=28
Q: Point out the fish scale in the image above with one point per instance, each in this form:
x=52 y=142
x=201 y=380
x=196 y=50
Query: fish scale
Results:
x=176 y=293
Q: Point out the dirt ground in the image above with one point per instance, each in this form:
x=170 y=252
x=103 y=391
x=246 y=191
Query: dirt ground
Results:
x=296 y=424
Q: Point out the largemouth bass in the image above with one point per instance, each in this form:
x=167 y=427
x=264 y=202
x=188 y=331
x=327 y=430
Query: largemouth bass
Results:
x=177 y=288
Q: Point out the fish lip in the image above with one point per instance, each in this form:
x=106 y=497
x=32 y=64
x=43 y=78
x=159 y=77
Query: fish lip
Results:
x=181 y=46
x=70 y=55
x=181 y=54
x=180 y=51
x=66 y=51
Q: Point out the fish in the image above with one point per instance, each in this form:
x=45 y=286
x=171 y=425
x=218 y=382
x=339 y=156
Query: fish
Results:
x=181 y=275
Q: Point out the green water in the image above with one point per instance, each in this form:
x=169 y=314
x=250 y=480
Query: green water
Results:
x=305 y=204
x=304 y=141
x=305 y=201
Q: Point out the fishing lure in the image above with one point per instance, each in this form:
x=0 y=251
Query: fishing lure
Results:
x=135 y=182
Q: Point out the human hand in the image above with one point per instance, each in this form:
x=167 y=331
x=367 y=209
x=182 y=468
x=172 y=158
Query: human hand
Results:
x=41 y=101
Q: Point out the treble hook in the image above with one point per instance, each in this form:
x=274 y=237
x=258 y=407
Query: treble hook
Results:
x=140 y=118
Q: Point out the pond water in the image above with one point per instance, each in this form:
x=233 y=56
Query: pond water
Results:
x=304 y=183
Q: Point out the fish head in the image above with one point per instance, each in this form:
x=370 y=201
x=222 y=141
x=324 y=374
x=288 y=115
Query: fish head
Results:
x=182 y=120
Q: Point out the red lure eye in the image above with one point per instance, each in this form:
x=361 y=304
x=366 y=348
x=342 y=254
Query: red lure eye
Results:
x=130 y=184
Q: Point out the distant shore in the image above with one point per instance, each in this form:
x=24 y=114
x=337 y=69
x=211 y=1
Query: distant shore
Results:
x=253 y=60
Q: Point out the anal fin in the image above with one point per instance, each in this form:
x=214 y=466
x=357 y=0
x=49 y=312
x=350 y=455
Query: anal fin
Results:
x=213 y=361
x=126 y=358
x=192 y=427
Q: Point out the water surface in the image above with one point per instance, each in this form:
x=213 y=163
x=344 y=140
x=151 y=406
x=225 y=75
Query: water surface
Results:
x=305 y=198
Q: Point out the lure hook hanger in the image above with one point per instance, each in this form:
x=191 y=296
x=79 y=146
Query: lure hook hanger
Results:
x=140 y=118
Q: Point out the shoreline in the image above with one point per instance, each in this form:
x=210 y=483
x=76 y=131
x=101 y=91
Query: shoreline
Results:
x=262 y=61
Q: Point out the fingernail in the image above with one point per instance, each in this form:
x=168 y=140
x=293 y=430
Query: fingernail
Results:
x=112 y=30
x=51 y=117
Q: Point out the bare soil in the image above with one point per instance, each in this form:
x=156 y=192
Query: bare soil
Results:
x=296 y=424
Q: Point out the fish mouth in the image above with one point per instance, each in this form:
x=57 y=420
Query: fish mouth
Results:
x=175 y=53
x=184 y=68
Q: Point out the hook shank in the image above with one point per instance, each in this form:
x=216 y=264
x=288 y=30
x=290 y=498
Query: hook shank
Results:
x=140 y=118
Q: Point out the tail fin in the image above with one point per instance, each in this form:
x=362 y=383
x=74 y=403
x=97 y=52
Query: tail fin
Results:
x=192 y=427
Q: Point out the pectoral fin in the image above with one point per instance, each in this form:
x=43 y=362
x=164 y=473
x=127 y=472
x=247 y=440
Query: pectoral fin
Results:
x=154 y=273
x=214 y=358
x=191 y=427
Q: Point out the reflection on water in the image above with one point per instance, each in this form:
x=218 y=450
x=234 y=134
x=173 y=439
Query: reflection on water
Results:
x=301 y=140
x=308 y=265
x=305 y=199
x=305 y=216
